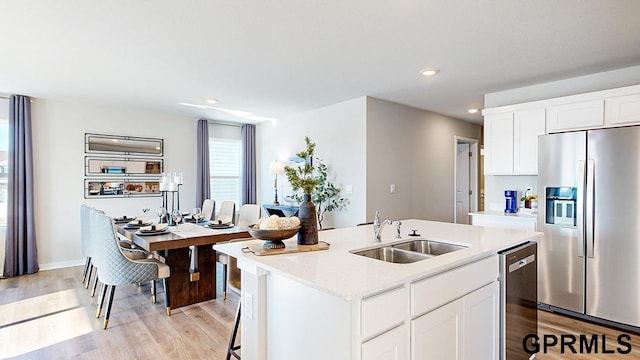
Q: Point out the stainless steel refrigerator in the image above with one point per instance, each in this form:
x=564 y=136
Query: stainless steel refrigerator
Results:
x=589 y=211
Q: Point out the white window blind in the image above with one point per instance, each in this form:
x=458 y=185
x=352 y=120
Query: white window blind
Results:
x=225 y=169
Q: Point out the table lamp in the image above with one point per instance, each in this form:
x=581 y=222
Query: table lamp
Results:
x=276 y=167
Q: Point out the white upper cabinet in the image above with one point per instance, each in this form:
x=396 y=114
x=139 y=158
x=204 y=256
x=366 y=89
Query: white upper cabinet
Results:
x=527 y=126
x=511 y=142
x=575 y=116
x=622 y=110
x=498 y=144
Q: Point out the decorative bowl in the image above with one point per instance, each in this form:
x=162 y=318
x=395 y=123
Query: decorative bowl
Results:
x=273 y=238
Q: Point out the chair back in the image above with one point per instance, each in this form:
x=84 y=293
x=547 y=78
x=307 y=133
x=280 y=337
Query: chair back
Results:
x=114 y=268
x=249 y=215
x=227 y=211
x=208 y=209
x=85 y=230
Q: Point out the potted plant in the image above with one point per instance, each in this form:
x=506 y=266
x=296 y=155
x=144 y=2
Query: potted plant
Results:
x=325 y=195
x=301 y=178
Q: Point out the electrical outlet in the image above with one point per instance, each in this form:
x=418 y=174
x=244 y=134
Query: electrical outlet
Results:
x=348 y=189
x=248 y=305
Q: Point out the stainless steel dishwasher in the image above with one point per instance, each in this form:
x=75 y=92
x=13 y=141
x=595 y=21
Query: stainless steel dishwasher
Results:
x=518 y=299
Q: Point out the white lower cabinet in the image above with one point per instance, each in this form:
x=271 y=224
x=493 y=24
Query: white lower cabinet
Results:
x=466 y=328
x=482 y=323
x=450 y=315
x=438 y=334
x=391 y=345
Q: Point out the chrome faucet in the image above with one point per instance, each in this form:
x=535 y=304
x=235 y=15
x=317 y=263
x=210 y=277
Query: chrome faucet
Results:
x=378 y=226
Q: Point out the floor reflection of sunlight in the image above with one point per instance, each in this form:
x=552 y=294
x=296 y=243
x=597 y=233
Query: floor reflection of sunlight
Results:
x=42 y=321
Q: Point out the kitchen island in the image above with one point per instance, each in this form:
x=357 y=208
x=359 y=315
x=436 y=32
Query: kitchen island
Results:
x=334 y=304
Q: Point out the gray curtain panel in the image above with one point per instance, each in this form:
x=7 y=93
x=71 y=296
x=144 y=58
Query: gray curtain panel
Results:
x=248 y=164
x=203 y=182
x=21 y=256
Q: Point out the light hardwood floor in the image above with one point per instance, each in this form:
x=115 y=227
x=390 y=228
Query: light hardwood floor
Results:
x=50 y=315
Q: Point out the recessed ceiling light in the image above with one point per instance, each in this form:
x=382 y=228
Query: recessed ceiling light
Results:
x=472 y=111
x=429 y=71
x=212 y=101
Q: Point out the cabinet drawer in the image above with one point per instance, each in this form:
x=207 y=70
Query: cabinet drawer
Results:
x=433 y=292
x=383 y=312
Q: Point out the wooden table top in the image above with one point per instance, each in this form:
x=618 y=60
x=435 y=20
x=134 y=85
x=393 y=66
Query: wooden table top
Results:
x=188 y=234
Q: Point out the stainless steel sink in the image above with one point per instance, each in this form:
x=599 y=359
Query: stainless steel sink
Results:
x=409 y=251
x=390 y=254
x=428 y=247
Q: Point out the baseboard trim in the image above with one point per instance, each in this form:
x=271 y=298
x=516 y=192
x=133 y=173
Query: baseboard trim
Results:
x=61 y=265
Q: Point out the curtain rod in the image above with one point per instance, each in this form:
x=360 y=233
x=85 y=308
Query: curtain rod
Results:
x=218 y=122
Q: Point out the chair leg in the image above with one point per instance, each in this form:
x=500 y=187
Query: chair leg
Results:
x=224 y=281
x=103 y=293
x=86 y=268
x=95 y=284
x=108 y=312
x=167 y=302
x=86 y=285
x=153 y=291
x=231 y=350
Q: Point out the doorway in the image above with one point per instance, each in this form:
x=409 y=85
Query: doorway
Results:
x=465 y=179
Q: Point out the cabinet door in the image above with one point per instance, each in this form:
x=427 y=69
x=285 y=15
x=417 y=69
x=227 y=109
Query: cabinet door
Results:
x=481 y=323
x=391 y=345
x=438 y=334
x=583 y=115
x=498 y=144
x=527 y=126
x=622 y=110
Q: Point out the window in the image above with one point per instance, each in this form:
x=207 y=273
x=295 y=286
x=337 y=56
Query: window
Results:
x=225 y=163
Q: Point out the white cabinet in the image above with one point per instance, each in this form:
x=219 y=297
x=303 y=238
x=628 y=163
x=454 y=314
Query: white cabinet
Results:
x=481 y=322
x=438 y=334
x=391 y=345
x=527 y=126
x=575 y=116
x=511 y=142
x=622 y=110
x=466 y=328
x=498 y=144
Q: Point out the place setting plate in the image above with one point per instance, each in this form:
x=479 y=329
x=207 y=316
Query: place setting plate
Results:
x=219 y=226
x=123 y=219
x=136 y=225
x=150 y=232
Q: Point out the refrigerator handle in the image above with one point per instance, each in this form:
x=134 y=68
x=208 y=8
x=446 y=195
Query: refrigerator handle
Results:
x=589 y=208
x=580 y=206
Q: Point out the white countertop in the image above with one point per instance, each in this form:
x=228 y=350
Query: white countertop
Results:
x=338 y=272
x=519 y=215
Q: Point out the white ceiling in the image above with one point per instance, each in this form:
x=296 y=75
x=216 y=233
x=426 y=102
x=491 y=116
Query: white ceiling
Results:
x=276 y=58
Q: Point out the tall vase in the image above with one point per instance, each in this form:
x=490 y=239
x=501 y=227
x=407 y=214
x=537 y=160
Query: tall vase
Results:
x=308 y=234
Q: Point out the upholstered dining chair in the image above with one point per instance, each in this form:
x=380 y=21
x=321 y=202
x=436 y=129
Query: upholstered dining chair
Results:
x=208 y=209
x=227 y=212
x=249 y=215
x=88 y=249
x=114 y=268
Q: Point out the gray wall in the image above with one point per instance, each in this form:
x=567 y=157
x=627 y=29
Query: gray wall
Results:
x=415 y=150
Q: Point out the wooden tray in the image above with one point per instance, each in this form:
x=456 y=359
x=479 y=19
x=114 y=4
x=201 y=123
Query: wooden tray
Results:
x=289 y=249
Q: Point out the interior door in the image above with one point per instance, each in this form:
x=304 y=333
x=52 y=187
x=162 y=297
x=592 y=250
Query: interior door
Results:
x=462 y=184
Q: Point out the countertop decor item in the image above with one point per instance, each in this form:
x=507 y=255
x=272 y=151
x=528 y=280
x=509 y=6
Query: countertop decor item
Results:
x=273 y=238
x=301 y=177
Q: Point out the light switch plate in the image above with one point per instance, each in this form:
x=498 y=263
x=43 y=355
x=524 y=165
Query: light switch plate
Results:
x=392 y=188
x=348 y=189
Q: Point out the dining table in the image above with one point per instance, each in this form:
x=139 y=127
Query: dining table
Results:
x=187 y=250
